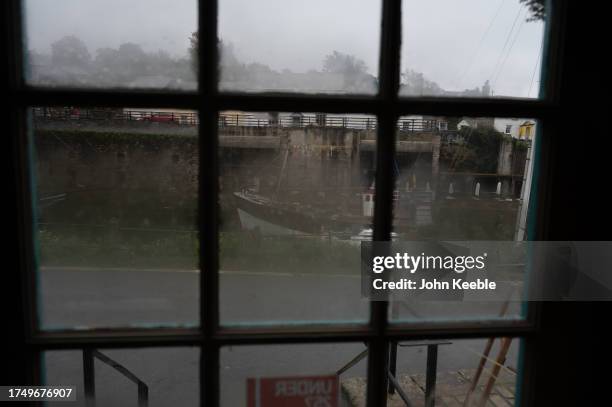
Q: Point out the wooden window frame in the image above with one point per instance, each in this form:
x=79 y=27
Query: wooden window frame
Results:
x=386 y=105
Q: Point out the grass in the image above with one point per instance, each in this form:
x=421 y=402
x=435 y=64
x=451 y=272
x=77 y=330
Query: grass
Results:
x=95 y=249
x=239 y=251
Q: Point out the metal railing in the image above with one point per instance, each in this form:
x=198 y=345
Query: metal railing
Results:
x=233 y=119
x=89 y=355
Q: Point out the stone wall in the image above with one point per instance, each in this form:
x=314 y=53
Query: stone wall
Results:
x=146 y=173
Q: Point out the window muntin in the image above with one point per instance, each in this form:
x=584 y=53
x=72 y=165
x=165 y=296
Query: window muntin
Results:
x=376 y=345
x=170 y=374
x=463 y=184
x=290 y=362
x=457 y=362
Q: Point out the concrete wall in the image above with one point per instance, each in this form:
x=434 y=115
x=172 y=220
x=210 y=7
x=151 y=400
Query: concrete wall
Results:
x=504 y=160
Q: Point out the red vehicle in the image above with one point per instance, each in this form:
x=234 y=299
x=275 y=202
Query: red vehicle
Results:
x=162 y=118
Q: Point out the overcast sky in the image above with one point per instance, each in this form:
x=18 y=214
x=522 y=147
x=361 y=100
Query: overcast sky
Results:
x=457 y=43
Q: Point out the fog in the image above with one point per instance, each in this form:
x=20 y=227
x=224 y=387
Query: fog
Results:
x=449 y=46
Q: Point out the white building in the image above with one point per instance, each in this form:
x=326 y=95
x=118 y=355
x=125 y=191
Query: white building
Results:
x=516 y=128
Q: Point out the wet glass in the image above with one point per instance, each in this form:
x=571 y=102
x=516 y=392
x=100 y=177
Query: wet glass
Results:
x=295 y=46
x=462 y=179
x=297 y=199
x=126 y=377
x=146 y=44
x=446 y=373
x=310 y=375
x=473 y=48
x=116 y=201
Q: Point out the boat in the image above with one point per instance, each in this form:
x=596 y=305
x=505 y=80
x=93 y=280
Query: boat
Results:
x=270 y=216
x=293 y=213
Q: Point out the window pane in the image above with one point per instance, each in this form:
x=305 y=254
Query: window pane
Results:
x=296 y=200
x=461 y=179
x=308 y=375
x=454 y=364
x=170 y=375
x=116 y=200
x=116 y=43
x=295 y=46
x=472 y=48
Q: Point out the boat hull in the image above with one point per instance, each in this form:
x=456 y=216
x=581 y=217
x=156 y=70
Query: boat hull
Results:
x=274 y=218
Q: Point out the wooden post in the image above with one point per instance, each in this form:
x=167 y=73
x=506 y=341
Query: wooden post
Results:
x=501 y=358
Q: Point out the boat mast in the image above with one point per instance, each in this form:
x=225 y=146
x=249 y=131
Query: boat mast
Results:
x=280 y=175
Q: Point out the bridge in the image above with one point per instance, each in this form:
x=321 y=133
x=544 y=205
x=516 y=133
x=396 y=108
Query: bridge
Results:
x=252 y=130
x=405 y=124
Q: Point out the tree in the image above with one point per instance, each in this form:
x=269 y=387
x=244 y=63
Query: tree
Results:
x=537 y=8
x=70 y=51
x=414 y=83
x=107 y=60
x=227 y=57
x=128 y=62
x=479 y=153
x=353 y=69
x=131 y=52
x=133 y=59
x=193 y=52
x=338 y=62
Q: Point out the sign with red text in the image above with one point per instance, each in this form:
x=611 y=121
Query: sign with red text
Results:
x=303 y=391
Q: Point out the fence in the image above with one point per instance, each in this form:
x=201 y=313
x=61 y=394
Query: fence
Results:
x=233 y=119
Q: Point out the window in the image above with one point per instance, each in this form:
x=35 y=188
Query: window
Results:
x=227 y=341
x=296 y=61
x=126 y=59
x=499 y=60
x=508 y=129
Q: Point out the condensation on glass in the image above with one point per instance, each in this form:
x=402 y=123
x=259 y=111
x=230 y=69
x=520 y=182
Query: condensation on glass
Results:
x=461 y=178
x=147 y=44
x=296 y=198
x=305 y=374
x=116 y=201
x=469 y=372
x=466 y=372
x=296 y=46
x=126 y=377
x=473 y=48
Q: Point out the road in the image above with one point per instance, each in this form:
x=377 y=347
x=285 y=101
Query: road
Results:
x=89 y=297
